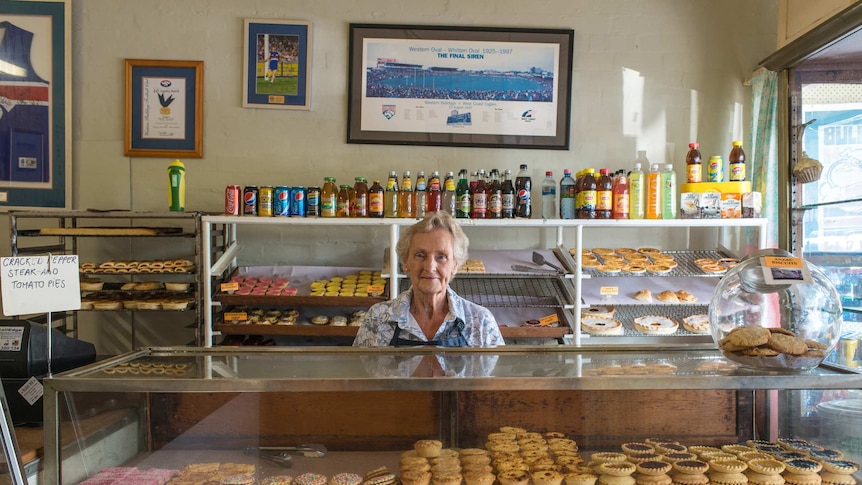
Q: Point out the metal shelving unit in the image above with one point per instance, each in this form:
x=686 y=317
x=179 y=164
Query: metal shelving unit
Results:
x=61 y=232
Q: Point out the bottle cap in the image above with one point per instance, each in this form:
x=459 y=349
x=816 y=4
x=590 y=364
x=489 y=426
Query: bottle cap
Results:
x=668 y=166
x=567 y=172
x=523 y=166
x=605 y=171
x=637 y=166
x=737 y=143
x=549 y=173
x=694 y=145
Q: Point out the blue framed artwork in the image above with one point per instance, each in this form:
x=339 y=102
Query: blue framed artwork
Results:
x=164 y=108
x=36 y=107
x=276 y=64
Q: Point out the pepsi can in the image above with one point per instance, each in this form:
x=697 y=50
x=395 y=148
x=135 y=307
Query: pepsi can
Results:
x=249 y=200
x=297 y=201
x=281 y=201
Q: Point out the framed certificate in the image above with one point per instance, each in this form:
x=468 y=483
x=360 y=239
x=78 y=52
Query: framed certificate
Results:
x=164 y=108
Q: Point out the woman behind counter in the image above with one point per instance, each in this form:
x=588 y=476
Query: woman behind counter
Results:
x=429 y=312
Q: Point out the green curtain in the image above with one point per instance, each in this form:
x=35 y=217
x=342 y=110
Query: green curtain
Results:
x=764 y=149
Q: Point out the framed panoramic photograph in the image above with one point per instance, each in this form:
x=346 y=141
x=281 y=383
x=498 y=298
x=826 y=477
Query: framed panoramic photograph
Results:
x=36 y=80
x=459 y=86
x=276 y=64
x=164 y=108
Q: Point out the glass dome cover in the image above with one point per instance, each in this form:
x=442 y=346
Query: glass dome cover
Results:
x=775 y=311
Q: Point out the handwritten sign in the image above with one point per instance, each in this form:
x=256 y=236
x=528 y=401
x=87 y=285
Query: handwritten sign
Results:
x=40 y=284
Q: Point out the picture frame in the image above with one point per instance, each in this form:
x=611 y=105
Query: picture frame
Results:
x=36 y=155
x=164 y=108
x=459 y=86
x=276 y=64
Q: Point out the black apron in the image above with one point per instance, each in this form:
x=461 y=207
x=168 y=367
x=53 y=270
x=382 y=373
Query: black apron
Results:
x=456 y=341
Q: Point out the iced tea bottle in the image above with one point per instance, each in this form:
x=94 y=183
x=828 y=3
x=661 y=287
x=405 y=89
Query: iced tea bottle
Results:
x=693 y=164
x=345 y=195
x=604 y=195
x=736 y=162
x=359 y=206
x=420 y=196
x=390 y=196
x=405 y=197
x=653 y=193
x=375 y=200
x=328 y=198
x=589 y=186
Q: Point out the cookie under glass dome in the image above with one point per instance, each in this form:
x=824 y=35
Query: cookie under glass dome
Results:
x=806 y=309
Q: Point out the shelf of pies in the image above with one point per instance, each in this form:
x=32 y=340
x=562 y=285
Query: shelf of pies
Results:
x=297 y=286
x=290 y=321
x=141 y=295
x=645 y=320
x=653 y=262
x=159 y=266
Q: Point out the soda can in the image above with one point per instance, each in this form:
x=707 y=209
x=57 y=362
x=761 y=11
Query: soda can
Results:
x=264 y=201
x=297 y=201
x=312 y=202
x=281 y=201
x=232 y=198
x=249 y=200
x=715 y=169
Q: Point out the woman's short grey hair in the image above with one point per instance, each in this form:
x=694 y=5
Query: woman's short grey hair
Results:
x=432 y=221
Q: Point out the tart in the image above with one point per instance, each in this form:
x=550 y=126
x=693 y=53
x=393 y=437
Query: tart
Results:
x=601 y=326
x=655 y=325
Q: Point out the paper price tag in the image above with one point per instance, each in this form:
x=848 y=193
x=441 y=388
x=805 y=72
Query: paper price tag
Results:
x=235 y=316
x=609 y=290
x=782 y=271
x=229 y=287
x=376 y=290
x=549 y=320
x=31 y=391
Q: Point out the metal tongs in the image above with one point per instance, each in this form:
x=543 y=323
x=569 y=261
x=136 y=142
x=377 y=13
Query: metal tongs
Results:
x=281 y=454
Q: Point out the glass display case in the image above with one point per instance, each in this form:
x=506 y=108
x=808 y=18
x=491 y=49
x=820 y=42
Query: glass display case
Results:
x=326 y=410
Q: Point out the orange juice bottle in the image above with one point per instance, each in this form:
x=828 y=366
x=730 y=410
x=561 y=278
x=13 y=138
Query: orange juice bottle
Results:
x=653 y=193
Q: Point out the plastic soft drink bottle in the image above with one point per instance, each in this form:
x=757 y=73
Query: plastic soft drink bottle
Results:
x=736 y=162
x=176 y=186
x=668 y=192
x=523 y=186
x=495 y=196
x=375 y=200
x=450 y=201
x=405 y=197
x=420 y=196
x=435 y=193
x=693 y=164
x=604 y=194
x=567 y=196
x=636 y=190
x=509 y=198
x=653 y=193
x=480 y=197
x=462 y=193
x=390 y=196
x=621 y=197
x=549 y=196
x=588 y=210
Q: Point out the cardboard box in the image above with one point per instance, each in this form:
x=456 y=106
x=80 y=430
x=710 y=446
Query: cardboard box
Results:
x=723 y=187
x=731 y=206
x=752 y=205
x=710 y=205
x=689 y=205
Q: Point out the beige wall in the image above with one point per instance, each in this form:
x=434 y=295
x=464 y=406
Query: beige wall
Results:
x=692 y=56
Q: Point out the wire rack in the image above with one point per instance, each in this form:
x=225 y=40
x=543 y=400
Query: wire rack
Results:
x=514 y=291
x=685 y=265
x=627 y=314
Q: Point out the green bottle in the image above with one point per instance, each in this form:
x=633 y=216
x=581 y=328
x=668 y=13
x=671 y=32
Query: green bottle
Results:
x=176 y=186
